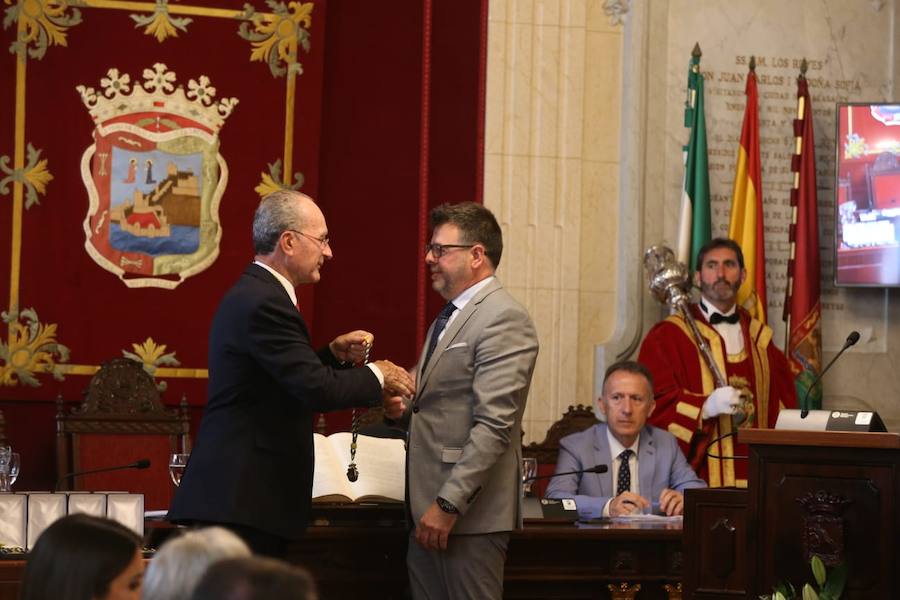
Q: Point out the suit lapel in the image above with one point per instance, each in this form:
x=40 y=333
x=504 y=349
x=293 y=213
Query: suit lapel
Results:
x=452 y=332
x=647 y=463
x=603 y=456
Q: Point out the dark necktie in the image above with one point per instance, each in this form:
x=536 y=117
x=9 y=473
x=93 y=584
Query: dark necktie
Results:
x=624 y=483
x=716 y=318
x=439 y=324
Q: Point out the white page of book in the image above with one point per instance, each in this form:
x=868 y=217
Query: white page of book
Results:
x=381 y=463
x=329 y=478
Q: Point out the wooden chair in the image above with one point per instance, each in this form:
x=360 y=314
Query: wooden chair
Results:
x=576 y=418
x=121 y=421
x=883 y=176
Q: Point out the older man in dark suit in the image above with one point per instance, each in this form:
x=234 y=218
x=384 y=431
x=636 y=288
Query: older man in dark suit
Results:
x=252 y=465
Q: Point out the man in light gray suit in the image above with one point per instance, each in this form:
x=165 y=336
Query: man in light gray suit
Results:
x=465 y=421
x=648 y=471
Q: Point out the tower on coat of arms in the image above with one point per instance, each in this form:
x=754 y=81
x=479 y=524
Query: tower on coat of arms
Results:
x=154 y=176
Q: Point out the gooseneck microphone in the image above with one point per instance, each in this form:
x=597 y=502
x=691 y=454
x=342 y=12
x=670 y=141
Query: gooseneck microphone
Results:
x=851 y=340
x=138 y=464
x=594 y=469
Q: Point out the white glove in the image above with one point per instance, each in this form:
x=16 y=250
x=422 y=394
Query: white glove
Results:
x=723 y=401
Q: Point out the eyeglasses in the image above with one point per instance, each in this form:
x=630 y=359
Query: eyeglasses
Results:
x=438 y=250
x=323 y=241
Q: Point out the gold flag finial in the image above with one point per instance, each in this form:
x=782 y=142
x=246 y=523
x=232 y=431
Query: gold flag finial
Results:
x=803 y=67
x=753 y=64
x=696 y=51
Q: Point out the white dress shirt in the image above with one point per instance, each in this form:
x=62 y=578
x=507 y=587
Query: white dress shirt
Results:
x=730 y=332
x=615 y=449
x=460 y=301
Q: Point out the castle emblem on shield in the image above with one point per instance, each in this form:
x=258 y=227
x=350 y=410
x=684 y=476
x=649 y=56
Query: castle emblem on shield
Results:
x=154 y=176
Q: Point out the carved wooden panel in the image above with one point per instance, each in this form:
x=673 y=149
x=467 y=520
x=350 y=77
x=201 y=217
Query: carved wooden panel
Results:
x=838 y=501
x=715 y=537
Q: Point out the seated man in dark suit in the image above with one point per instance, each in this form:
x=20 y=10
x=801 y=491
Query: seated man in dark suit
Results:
x=649 y=467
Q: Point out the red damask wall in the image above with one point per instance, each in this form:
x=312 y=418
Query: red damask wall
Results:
x=379 y=139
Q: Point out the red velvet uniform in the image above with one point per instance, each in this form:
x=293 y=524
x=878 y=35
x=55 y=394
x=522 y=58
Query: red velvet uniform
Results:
x=682 y=382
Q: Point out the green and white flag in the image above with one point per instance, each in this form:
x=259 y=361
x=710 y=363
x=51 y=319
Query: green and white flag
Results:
x=695 y=223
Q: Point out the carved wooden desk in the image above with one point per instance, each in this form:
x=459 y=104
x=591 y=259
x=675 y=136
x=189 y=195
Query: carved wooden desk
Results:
x=543 y=561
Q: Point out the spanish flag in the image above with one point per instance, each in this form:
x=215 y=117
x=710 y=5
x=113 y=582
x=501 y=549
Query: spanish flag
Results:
x=746 y=224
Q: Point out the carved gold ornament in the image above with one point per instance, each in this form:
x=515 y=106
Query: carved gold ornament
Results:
x=161 y=24
x=153 y=356
x=34 y=176
x=32 y=349
x=42 y=23
x=275 y=36
x=271 y=181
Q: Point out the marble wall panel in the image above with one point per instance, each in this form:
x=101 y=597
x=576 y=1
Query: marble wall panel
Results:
x=551 y=160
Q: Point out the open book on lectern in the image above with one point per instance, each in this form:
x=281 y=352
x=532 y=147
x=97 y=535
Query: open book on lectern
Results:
x=381 y=463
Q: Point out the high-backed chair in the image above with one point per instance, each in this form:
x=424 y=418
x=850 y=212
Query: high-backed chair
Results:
x=122 y=420
x=576 y=418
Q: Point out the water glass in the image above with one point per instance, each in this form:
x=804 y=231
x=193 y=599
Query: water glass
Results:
x=529 y=470
x=177 y=463
x=13 y=468
x=5 y=454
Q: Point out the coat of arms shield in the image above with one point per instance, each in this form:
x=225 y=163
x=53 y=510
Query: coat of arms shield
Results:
x=154 y=177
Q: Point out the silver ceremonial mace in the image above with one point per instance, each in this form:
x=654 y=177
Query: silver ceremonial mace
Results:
x=671 y=285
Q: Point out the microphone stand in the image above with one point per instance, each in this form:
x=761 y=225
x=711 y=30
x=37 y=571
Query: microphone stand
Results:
x=594 y=469
x=138 y=464
x=851 y=340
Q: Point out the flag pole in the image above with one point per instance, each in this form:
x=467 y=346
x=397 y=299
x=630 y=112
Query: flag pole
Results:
x=803 y=309
x=795 y=187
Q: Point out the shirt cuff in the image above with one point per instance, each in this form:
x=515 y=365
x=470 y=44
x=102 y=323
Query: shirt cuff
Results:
x=606 y=508
x=378 y=374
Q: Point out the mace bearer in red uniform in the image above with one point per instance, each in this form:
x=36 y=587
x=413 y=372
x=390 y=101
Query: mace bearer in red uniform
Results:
x=740 y=380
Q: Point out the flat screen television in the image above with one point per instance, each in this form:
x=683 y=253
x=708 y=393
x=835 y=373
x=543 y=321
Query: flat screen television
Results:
x=867 y=195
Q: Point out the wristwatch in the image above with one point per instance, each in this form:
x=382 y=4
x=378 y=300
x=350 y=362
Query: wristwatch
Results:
x=447 y=506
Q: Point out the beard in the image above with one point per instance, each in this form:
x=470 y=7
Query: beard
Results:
x=720 y=290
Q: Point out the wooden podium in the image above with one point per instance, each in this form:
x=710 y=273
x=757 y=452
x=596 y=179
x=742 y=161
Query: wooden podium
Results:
x=828 y=493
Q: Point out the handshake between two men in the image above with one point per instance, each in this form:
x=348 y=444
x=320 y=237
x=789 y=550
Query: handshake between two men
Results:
x=398 y=384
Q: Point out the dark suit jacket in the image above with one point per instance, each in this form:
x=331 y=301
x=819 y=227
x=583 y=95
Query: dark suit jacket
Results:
x=252 y=463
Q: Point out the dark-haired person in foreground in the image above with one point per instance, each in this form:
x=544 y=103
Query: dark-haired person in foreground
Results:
x=255 y=578
x=647 y=471
x=689 y=405
x=251 y=469
x=80 y=557
x=465 y=422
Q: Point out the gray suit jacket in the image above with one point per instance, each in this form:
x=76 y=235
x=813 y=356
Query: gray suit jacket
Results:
x=466 y=418
x=661 y=465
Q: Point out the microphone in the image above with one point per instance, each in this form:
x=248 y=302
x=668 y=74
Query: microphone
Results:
x=138 y=464
x=851 y=340
x=594 y=469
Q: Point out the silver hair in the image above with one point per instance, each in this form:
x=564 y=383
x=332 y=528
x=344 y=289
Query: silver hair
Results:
x=177 y=568
x=275 y=214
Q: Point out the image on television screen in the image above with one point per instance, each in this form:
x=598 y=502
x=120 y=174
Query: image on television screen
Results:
x=867 y=195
